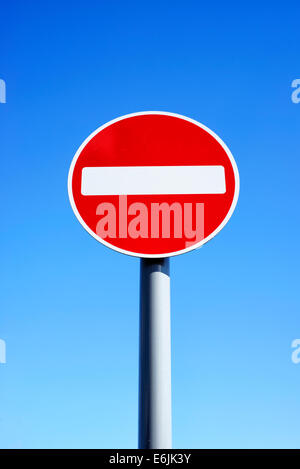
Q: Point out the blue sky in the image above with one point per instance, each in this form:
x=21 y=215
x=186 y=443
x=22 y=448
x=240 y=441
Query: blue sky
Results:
x=69 y=305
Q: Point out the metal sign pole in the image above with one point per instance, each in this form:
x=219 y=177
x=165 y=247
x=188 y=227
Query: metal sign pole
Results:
x=155 y=355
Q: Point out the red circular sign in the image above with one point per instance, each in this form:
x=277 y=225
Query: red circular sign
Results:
x=153 y=184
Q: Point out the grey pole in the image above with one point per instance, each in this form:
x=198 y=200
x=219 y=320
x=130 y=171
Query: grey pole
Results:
x=155 y=355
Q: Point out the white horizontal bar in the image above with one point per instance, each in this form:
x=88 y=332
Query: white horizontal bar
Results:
x=147 y=180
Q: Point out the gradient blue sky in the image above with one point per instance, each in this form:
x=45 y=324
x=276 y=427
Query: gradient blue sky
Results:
x=69 y=306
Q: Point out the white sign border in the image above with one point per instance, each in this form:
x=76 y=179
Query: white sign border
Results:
x=171 y=254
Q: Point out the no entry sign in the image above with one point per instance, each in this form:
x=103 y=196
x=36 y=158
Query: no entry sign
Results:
x=153 y=184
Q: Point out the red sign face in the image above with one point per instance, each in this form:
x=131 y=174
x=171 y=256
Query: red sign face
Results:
x=153 y=184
